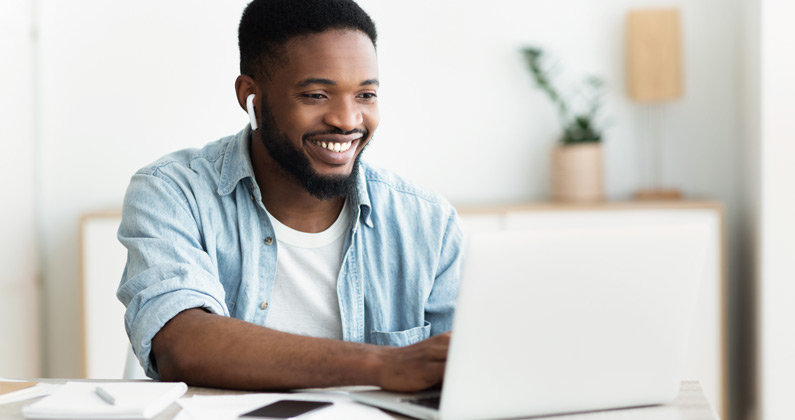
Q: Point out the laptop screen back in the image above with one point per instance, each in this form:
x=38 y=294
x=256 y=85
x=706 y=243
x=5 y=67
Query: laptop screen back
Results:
x=565 y=320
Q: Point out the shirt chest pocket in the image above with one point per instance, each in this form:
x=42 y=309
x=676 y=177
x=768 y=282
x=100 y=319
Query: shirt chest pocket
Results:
x=401 y=338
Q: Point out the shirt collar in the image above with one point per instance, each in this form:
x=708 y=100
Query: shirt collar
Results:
x=361 y=198
x=237 y=166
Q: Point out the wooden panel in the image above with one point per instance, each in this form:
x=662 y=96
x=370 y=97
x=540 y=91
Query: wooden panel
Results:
x=596 y=206
x=653 y=55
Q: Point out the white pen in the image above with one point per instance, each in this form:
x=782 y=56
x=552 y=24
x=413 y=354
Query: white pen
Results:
x=105 y=395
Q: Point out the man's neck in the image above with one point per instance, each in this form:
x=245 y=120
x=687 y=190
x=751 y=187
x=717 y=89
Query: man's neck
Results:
x=286 y=199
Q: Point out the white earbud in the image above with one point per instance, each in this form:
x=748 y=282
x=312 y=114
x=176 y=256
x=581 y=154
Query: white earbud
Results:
x=250 y=109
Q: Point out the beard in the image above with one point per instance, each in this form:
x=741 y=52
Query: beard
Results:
x=297 y=166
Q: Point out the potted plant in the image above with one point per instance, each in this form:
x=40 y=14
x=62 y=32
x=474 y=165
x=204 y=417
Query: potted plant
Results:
x=576 y=160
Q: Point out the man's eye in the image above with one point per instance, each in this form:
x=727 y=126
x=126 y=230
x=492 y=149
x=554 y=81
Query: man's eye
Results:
x=368 y=96
x=317 y=96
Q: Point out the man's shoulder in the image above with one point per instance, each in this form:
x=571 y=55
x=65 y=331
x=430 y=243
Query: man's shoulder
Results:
x=387 y=186
x=184 y=160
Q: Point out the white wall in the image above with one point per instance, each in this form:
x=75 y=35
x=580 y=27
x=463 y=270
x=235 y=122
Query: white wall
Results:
x=777 y=207
x=19 y=309
x=123 y=83
x=456 y=92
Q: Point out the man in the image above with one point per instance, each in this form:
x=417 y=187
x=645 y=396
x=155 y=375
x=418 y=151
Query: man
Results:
x=274 y=258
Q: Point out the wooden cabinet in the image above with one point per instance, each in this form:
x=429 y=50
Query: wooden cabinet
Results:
x=707 y=358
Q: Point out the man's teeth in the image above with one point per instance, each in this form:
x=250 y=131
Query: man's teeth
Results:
x=334 y=147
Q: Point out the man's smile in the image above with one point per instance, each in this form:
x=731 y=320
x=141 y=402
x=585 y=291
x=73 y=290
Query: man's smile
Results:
x=334 y=149
x=333 y=152
x=333 y=146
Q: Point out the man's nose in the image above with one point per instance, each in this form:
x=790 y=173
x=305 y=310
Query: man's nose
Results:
x=344 y=115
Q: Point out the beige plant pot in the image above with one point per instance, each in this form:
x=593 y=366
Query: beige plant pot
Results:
x=576 y=173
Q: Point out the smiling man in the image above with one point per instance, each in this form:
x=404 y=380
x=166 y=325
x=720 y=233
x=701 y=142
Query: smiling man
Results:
x=275 y=258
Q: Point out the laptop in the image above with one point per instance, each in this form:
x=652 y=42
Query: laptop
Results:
x=566 y=320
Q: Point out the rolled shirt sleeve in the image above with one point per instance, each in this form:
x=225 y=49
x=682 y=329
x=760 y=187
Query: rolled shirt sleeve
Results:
x=168 y=269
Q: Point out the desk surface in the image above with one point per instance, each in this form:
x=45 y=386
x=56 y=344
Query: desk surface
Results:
x=690 y=404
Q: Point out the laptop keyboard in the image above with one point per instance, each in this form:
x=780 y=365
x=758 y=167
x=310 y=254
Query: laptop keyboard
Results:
x=431 y=401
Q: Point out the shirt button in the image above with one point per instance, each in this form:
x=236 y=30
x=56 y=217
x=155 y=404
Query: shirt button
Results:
x=268 y=241
x=263 y=305
x=252 y=196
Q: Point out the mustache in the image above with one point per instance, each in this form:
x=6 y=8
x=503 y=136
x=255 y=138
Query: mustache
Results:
x=308 y=136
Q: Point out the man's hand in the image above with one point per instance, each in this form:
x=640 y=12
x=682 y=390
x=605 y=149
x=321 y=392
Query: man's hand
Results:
x=416 y=367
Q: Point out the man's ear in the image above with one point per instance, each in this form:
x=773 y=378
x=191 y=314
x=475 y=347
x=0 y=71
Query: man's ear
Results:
x=245 y=87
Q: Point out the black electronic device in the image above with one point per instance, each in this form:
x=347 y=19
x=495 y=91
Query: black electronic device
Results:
x=285 y=409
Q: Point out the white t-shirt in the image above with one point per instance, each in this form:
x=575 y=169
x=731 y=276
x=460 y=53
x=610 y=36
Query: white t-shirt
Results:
x=304 y=297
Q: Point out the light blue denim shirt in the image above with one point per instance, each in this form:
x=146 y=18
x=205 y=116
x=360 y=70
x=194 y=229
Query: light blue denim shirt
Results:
x=197 y=235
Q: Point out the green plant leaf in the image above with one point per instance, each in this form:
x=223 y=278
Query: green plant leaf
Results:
x=578 y=128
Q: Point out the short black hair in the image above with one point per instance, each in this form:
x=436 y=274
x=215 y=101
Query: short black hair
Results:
x=267 y=25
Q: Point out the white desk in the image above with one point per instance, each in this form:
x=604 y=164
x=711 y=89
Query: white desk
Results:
x=690 y=404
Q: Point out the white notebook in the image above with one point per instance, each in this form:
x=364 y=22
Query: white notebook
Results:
x=133 y=400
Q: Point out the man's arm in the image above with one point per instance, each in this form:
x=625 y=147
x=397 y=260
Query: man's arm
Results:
x=210 y=350
x=169 y=271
